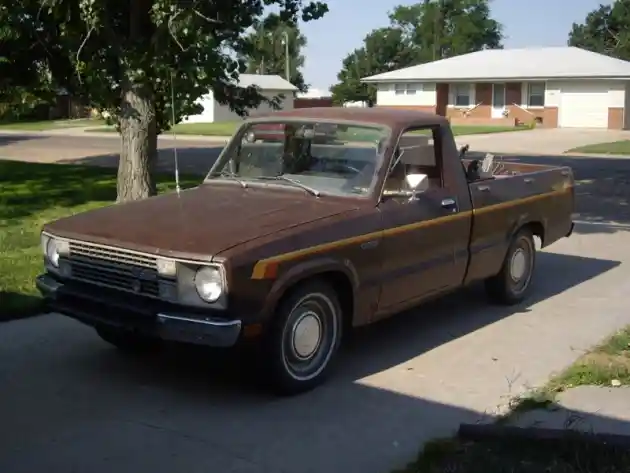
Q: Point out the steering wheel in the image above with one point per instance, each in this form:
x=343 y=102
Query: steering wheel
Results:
x=340 y=167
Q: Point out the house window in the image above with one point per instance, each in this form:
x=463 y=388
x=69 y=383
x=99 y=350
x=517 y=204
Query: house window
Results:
x=461 y=94
x=536 y=94
x=412 y=89
x=407 y=89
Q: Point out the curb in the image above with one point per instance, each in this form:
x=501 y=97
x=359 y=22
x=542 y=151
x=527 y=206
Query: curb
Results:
x=27 y=314
x=480 y=432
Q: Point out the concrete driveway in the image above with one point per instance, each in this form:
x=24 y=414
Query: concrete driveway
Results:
x=72 y=403
x=541 y=141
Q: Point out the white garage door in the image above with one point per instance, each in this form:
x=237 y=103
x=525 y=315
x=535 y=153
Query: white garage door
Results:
x=584 y=105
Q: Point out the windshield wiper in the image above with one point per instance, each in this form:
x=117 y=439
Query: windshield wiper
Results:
x=231 y=175
x=295 y=182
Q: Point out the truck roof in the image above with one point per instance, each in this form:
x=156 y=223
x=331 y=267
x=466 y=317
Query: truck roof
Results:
x=395 y=118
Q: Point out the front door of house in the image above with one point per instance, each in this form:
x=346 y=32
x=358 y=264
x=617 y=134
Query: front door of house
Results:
x=498 y=100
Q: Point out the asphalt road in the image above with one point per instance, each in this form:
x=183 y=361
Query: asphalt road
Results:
x=71 y=403
x=101 y=149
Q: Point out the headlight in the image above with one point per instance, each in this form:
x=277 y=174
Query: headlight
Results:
x=53 y=249
x=209 y=283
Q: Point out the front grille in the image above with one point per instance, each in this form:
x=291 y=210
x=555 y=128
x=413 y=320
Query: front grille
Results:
x=115 y=268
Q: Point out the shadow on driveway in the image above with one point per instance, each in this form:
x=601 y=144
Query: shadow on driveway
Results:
x=17 y=305
x=10 y=138
x=192 y=160
x=72 y=403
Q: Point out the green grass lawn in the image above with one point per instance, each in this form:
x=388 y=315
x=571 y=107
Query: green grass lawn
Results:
x=32 y=194
x=203 y=129
x=478 y=130
x=228 y=128
x=616 y=147
x=607 y=364
x=46 y=125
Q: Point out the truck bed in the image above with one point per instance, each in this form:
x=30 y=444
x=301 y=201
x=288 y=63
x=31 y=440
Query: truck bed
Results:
x=518 y=193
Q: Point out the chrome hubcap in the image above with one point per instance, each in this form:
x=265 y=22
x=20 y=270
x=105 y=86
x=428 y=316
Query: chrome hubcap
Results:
x=310 y=336
x=518 y=265
x=307 y=333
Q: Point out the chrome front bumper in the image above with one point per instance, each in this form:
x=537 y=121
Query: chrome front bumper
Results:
x=167 y=322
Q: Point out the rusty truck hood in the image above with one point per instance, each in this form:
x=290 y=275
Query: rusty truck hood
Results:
x=198 y=223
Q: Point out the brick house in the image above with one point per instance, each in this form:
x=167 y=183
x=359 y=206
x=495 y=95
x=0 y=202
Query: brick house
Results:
x=556 y=87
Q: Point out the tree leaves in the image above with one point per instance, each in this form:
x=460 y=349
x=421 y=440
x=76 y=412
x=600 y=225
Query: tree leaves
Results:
x=605 y=30
x=384 y=49
x=95 y=47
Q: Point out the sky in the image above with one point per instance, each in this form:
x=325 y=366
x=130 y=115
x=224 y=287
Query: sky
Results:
x=526 y=23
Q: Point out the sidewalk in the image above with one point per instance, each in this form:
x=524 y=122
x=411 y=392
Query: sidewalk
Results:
x=588 y=409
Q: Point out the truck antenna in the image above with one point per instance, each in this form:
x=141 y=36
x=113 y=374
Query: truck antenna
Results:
x=175 y=156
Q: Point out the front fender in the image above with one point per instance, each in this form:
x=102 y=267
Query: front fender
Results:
x=304 y=270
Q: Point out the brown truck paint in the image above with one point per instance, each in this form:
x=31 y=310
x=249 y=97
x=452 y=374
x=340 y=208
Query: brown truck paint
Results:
x=383 y=254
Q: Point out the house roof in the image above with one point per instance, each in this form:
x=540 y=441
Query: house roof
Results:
x=268 y=82
x=529 y=63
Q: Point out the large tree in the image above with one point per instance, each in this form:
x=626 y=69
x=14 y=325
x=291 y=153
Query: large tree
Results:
x=605 y=30
x=266 y=48
x=129 y=57
x=418 y=33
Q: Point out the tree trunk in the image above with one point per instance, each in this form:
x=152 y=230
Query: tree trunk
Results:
x=138 y=154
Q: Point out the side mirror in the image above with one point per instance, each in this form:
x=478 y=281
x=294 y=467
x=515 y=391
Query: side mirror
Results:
x=417 y=183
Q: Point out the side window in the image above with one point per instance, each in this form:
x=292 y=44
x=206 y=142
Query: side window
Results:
x=418 y=152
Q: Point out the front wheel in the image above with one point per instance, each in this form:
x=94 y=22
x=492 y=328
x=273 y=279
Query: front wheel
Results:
x=512 y=283
x=304 y=338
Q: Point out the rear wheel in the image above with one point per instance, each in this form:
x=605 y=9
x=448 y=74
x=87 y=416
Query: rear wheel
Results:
x=304 y=338
x=512 y=283
x=128 y=342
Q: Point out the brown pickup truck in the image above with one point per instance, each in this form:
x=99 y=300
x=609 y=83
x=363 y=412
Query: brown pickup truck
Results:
x=287 y=244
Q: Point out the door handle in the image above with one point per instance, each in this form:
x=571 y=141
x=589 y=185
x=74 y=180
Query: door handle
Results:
x=368 y=245
x=528 y=180
x=483 y=188
x=450 y=204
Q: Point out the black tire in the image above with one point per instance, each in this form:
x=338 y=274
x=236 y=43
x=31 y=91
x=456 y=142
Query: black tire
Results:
x=295 y=366
x=128 y=342
x=511 y=285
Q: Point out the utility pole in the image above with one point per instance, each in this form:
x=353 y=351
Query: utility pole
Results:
x=287 y=64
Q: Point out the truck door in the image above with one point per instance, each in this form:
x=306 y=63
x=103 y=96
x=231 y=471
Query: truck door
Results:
x=425 y=238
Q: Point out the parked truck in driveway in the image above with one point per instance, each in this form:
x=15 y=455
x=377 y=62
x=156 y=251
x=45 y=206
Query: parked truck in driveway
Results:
x=288 y=243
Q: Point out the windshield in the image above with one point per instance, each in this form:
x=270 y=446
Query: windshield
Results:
x=318 y=157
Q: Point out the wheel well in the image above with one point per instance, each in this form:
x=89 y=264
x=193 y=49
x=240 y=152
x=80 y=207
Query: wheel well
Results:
x=341 y=284
x=537 y=229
